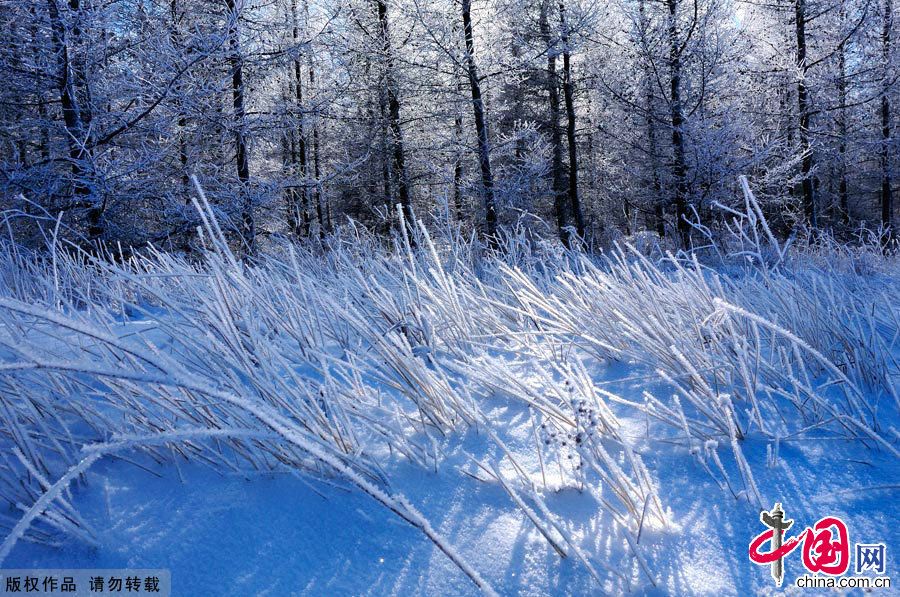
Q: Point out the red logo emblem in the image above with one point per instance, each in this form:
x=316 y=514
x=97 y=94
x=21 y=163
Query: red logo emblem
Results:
x=826 y=545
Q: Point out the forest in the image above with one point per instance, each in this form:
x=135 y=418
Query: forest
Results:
x=580 y=119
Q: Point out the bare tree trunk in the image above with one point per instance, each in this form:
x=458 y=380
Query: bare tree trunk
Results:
x=679 y=165
x=659 y=211
x=658 y=205
x=785 y=99
x=652 y=145
x=317 y=174
x=376 y=126
x=75 y=116
x=590 y=168
x=568 y=95
x=181 y=122
x=288 y=156
x=21 y=137
x=887 y=206
x=317 y=177
x=81 y=86
x=385 y=151
x=41 y=100
x=457 y=158
x=393 y=113
x=236 y=61
x=806 y=164
x=303 y=216
x=481 y=130
x=559 y=184
x=384 y=141
x=843 y=194
x=298 y=219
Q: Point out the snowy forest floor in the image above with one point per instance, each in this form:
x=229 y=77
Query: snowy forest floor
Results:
x=408 y=421
x=234 y=535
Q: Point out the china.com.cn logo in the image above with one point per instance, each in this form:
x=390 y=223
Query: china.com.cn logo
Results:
x=825 y=550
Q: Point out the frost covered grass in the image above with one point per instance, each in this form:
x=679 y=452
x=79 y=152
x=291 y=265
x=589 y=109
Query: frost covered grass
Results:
x=334 y=364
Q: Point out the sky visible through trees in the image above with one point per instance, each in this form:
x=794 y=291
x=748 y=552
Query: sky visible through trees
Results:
x=598 y=118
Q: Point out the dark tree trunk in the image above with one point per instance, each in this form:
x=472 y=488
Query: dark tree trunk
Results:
x=44 y=143
x=300 y=196
x=317 y=175
x=84 y=105
x=376 y=125
x=481 y=130
x=398 y=162
x=568 y=95
x=679 y=165
x=385 y=151
x=181 y=121
x=652 y=144
x=457 y=157
x=287 y=164
x=659 y=211
x=843 y=194
x=559 y=183
x=247 y=230
x=806 y=164
x=785 y=101
x=887 y=206
x=75 y=116
x=298 y=218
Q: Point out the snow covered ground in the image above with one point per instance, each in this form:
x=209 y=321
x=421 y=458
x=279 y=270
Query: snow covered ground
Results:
x=342 y=424
x=278 y=535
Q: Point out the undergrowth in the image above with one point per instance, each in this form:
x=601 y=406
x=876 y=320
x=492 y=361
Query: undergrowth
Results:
x=314 y=358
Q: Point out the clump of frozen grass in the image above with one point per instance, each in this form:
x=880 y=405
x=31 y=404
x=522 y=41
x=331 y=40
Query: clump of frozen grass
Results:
x=313 y=362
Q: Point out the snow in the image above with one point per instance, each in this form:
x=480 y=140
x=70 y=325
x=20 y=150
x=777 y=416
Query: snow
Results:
x=393 y=424
x=278 y=535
